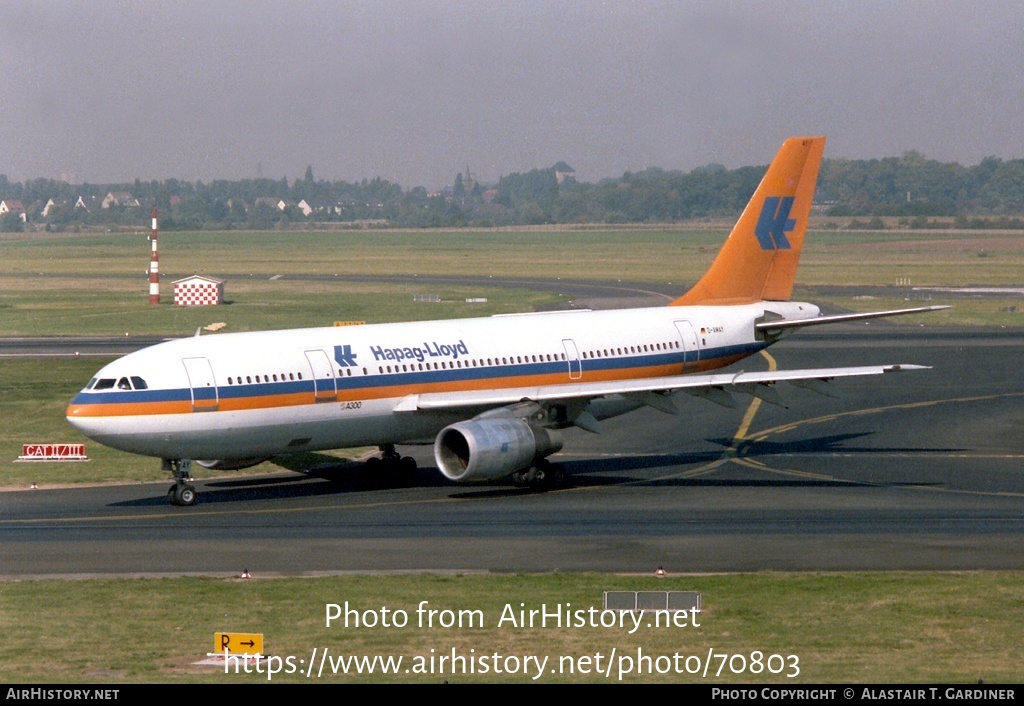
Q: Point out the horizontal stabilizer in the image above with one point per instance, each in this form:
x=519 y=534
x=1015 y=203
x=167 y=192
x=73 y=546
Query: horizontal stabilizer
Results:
x=782 y=324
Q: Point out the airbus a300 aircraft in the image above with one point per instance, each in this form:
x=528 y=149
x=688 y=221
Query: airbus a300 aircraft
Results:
x=490 y=394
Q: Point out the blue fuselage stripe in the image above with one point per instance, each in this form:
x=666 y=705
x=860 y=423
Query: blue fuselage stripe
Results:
x=414 y=376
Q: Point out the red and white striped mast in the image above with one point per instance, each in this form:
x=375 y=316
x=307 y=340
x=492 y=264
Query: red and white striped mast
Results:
x=154 y=267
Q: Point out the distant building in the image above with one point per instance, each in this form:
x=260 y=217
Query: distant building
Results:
x=52 y=205
x=119 y=198
x=198 y=291
x=13 y=206
x=469 y=182
x=563 y=171
x=274 y=202
x=87 y=202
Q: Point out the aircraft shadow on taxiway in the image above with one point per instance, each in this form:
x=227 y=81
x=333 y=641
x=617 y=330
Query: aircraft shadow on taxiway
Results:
x=348 y=477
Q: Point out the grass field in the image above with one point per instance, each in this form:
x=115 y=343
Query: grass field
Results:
x=855 y=628
x=97 y=284
x=852 y=628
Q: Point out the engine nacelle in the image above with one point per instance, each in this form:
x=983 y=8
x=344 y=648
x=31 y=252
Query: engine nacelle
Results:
x=234 y=465
x=486 y=449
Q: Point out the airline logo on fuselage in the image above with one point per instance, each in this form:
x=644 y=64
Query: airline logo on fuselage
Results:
x=344 y=356
x=421 y=353
x=774 y=222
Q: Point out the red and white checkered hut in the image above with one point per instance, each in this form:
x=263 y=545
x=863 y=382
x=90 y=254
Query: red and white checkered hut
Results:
x=198 y=291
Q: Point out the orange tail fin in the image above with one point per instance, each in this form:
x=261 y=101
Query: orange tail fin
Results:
x=758 y=261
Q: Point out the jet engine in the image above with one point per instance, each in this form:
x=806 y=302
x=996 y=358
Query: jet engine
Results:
x=486 y=449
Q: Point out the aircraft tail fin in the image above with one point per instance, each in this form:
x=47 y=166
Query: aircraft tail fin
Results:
x=759 y=259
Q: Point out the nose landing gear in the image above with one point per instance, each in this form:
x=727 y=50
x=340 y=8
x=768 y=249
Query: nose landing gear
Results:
x=182 y=493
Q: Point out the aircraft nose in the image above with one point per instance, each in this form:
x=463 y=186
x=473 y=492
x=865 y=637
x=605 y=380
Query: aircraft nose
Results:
x=77 y=416
x=75 y=421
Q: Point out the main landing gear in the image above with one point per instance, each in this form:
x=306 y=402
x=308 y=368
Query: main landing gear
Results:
x=182 y=492
x=401 y=468
x=543 y=476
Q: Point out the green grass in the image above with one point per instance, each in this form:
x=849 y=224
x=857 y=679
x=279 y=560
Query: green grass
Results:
x=34 y=394
x=853 y=628
x=97 y=284
x=82 y=311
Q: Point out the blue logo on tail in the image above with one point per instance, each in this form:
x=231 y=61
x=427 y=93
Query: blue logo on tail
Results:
x=774 y=222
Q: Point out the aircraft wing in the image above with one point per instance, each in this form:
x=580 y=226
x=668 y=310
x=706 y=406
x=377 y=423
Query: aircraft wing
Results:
x=647 y=388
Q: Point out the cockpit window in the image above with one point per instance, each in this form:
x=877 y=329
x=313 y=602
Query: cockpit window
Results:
x=133 y=382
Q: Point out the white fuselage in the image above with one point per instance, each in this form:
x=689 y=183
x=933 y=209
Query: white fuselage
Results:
x=254 y=395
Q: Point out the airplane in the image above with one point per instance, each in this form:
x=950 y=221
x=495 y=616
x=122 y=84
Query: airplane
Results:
x=491 y=394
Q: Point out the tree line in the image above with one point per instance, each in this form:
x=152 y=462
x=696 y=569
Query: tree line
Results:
x=911 y=186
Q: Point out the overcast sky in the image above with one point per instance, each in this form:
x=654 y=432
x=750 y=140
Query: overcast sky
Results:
x=416 y=90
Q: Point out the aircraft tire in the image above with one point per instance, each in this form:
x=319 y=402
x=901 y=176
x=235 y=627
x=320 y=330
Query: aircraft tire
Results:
x=549 y=476
x=403 y=470
x=184 y=495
